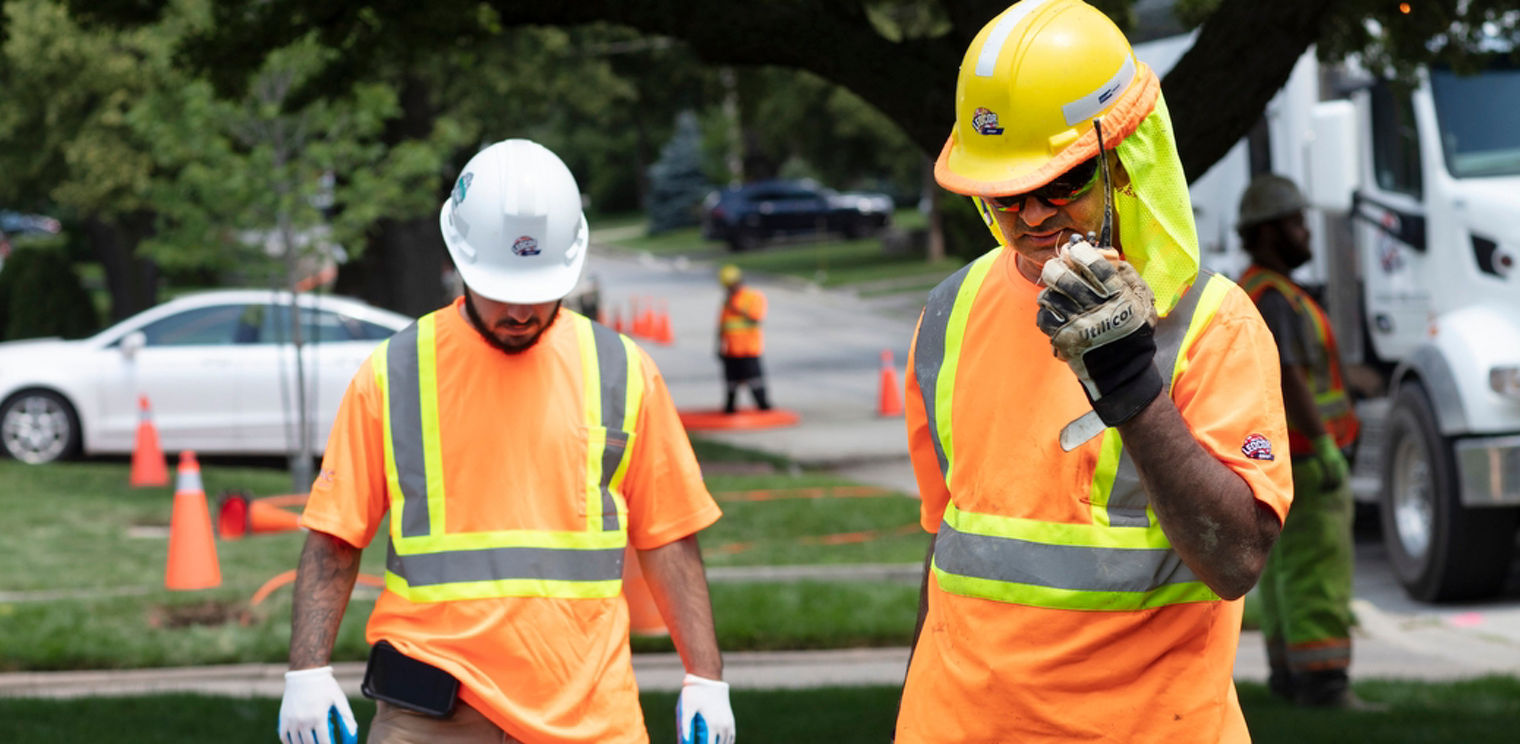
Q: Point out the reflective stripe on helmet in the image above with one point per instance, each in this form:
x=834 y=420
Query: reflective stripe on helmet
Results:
x=425 y=563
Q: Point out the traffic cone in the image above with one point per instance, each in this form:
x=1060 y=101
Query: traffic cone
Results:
x=192 y=551
x=617 y=320
x=889 y=399
x=264 y=516
x=148 y=466
x=662 y=334
x=643 y=616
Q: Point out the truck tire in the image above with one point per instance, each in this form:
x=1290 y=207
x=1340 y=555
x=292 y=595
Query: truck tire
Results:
x=1439 y=550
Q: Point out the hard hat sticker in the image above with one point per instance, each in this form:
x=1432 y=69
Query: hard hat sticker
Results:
x=525 y=246
x=1257 y=447
x=461 y=187
x=985 y=121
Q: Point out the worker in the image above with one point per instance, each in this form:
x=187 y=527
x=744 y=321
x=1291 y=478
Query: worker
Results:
x=1094 y=425
x=740 y=340
x=1306 y=587
x=519 y=448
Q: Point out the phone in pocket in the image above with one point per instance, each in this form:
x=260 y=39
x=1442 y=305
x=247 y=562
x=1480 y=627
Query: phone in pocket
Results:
x=417 y=686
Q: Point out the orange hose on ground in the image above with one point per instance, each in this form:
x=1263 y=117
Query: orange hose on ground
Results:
x=286 y=577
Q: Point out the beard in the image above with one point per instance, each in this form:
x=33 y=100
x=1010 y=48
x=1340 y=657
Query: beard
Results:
x=502 y=345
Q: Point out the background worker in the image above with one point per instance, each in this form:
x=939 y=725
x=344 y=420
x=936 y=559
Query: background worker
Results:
x=1098 y=513
x=1306 y=587
x=519 y=448
x=740 y=340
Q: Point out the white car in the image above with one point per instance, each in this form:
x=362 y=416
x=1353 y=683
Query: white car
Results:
x=218 y=370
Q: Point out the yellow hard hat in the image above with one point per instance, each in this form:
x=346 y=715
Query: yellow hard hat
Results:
x=1031 y=84
x=729 y=275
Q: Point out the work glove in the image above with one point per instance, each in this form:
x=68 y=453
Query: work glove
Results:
x=315 y=710
x=702 y=712
x=1333 y=468
x=1100 y=317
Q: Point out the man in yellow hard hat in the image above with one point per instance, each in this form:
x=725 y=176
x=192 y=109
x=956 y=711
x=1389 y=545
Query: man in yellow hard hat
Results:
x=1098 y=512
x=740 y=340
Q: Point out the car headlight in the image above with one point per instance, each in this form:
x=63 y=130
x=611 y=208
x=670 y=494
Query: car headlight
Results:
x=1505 y=380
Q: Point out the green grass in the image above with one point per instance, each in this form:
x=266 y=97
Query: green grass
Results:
x=1474 y=712
x=82 y=560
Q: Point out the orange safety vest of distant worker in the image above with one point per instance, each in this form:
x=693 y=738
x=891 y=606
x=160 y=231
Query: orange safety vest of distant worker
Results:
x=739 y=323
x=514 y=484
x=1057 y=609
x=1330 y=395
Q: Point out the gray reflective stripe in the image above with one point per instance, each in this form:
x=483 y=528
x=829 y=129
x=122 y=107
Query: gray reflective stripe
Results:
x=1127 y=499
x=929 y=352
x=405 y=403
x=497 y=564
x=1071 y=567
x=612 y=366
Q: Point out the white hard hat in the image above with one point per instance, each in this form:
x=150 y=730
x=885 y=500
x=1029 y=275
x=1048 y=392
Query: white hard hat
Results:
x=1268 y=197
x=514 y=224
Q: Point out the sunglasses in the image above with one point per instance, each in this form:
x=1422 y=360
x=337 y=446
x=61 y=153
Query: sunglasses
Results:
x=1062 y=190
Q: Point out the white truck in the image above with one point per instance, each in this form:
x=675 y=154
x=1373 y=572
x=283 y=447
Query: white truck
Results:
x=1415 y=192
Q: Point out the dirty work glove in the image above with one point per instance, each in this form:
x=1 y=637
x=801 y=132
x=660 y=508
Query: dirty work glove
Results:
x=702 y=712
x=1100 y=316
x=315 y=710
x=1333 y=467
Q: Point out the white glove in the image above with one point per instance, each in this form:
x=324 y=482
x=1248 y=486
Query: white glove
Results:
x=702 y=712
x=312 y=697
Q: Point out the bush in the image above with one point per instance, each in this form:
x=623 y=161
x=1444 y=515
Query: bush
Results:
x=966 y=235
x=40 y=295
x=676 y=183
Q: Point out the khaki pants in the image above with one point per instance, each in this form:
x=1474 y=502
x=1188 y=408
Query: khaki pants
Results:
x=393 y=725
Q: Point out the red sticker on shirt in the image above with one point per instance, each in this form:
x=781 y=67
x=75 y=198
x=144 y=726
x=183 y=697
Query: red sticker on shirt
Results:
x=1257 y=447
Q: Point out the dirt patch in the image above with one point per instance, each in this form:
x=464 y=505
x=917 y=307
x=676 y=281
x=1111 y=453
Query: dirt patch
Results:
x=210 y=612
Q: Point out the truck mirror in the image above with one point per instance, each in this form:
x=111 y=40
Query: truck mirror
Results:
x=1333 y=152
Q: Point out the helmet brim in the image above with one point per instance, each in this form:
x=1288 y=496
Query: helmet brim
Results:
x=532 y=283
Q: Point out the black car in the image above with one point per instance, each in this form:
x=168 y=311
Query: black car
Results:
x=744 y=216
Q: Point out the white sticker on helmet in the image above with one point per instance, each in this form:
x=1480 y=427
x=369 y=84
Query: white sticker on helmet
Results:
x=986 y=62
x=1094 y=103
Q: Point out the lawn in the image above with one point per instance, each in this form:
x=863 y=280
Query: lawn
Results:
x=82 y=562
x=1475 y=712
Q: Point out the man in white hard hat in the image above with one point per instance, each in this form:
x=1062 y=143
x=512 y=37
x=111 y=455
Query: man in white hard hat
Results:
x=1092 y=423
x=519 y=449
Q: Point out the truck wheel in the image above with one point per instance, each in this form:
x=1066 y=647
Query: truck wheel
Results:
x=1439 y=549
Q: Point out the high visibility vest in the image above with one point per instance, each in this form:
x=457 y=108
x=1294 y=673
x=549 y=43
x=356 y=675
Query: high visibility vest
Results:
x=425 y=562
x=1330 y=396
x=740 y=335
x=1121 y=561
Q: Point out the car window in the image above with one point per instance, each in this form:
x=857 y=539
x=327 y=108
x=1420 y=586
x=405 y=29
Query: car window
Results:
x=203 y=326
x=320 y=326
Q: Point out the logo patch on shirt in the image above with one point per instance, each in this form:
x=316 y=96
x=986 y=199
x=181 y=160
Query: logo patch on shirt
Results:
x=1257 y=447
x=525 y=246
x=985 y=121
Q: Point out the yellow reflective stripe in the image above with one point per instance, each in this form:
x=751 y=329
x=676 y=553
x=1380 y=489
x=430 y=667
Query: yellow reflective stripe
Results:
x=1208 y=305
x=432 y=433
x=591 y=405
x=567 y=539
x=955 y=335
x=1072 y=599
x=380 y=366
x=1054 y=533
x=1103 y=475
x=503 y=588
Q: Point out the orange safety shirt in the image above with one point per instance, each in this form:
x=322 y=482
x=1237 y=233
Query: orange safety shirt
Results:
x=741 y=336
x=989 y=670
x=514 y=452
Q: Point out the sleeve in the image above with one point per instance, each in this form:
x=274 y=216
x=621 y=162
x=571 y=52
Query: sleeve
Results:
x=663 y=487
x=1283 y=322
x=757 y=305
x=933 y=494
x=1230 y=395
x=348 y=498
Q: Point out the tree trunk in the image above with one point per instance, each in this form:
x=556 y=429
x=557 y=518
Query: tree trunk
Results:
x=131 y=279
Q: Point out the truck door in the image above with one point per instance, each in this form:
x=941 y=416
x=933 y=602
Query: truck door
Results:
x=1390 y=219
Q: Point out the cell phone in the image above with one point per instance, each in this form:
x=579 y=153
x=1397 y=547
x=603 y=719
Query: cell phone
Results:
x=395 y=678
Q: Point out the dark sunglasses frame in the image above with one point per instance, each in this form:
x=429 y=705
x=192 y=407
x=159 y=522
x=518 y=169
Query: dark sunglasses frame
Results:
x=1061 y=191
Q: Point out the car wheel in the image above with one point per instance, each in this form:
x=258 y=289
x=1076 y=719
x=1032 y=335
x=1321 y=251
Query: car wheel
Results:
x=1439 y=549
x=38 y=426
x=742 y=239
x=857 y=228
